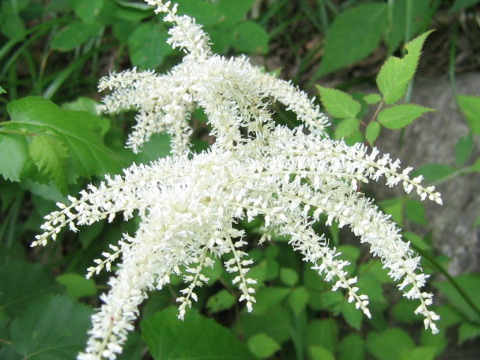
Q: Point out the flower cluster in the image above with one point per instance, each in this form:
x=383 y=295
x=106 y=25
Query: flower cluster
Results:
x=189 y=204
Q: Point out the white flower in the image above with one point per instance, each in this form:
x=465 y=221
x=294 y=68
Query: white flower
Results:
x=189 y=203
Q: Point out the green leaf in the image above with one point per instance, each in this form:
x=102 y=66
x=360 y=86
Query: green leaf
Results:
x=197 y=337
x=399 y=116
x=464 y=149
x=434 y=172
x=352 y=316
x=148 y=46
x=288 y=276
x=338 y=103
x=77 y=285
x=323 y=333
x=388 y=345
x=87 y=10
x=395 y=74
x=415 y=211
x=298 y=300
x=275 y=322
x=404 y=311
x=418 y=353
x=78 y=131
x=417 y=240
x=470 y=283
x=251 y=38
x=262 y=346
x=52 y=328
x=470 y=107
x=234 y=11
x=269 y=297
x=393 y=207
x=50 y=157
x=371 y=99
x=352 y=347
x=2 y=90
x=15 y=158
x=73 y=35
x=222 y=300
x=468 y=331
x=345 y=128
x=320 y=353
x=370 y=286
x=372 y=132
x=345 y=44
x=16 y=295
x=205 y=13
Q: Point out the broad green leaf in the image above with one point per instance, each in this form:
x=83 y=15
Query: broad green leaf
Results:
x=468 y=331
x=404 y=311
x=197 y=337
x=77 y=285
x=395 y=74
x=339 y=104
x=78 y=131
x=50 y=157
x=375 y=268
x=470 y=107
x=415 y=211
x=346 y=127
x=222 y=300
x=262 y=346
x=352 y=316
x=370 y=286
x=399 y=116
x=345 y=44
x=323 y=333
x=205 y=13
x=420 y=14
x=372 y=132
x=434 y=172
x=393 y=207
x=14 y=157
x=73 y=35
x=234 y=11
x=288 y=276
x=416 y=240
x=320 y=353
x=464 y=149
x=2 y=90
x=418 y=353
x=148 y=45
x=16 y=295
x=269 y=297
x=388 y=345
x=352 y=347
x=470 y=283
x=462 y=4
x=87 y=10
x=52 y=328
x=251 y=38
x=298 y=300
x=372 y=98
x=275 y=322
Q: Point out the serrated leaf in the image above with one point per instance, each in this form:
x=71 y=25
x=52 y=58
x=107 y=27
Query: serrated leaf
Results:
x=352 y=347
x=205 y=13
x=197 y=337
x=345 y=128
x=320 y=353
x=395 y=74
x=73 y=35
x=148 y=45
x=52 y=328
x=464 y=149
x=14 y=157
x=419 y=353
x=388 y=344
x=234 y=11
x=222 y=300
x=399 y=116
x=251 y=38
x=298 y=300
x=470 y=107
x=345 y=44
x=372 y=132
x=87 y=10
x=339 y=104
x=262 y=345
x=50 y=157
x=16 y=295
x=372 y=98
x=269 y=297
x=78 y=131
x=352 y=316
x=77 y=285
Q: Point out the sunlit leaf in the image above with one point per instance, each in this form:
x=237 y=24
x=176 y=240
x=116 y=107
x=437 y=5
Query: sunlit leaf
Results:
x=399 y=116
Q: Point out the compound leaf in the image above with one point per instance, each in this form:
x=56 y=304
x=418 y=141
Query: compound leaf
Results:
x=338 y=103
x=399 y=116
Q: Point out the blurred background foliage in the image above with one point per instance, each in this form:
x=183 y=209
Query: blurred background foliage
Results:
x=52 y=54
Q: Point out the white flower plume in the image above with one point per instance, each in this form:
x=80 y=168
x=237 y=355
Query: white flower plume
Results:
x=189 y=204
